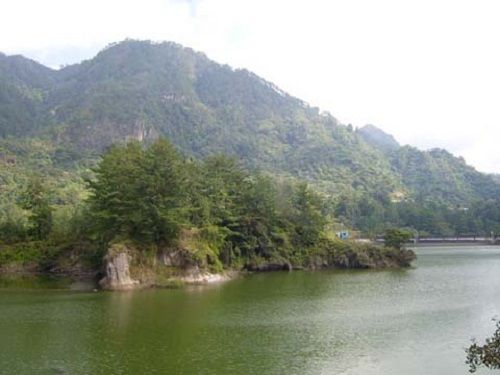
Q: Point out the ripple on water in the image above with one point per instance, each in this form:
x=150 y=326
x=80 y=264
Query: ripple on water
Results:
x=413 y=321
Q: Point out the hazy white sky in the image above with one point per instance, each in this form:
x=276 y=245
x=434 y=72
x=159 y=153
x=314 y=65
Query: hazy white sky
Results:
x=427 y=71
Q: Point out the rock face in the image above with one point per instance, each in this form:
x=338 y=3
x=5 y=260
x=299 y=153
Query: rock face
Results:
x=165 y=270
x=175 y=258
x=198 y=277
x=118 y=270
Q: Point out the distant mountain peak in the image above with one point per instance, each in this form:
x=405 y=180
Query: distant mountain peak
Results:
x=378 y=138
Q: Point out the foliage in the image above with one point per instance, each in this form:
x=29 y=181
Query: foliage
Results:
x=214 y=209
x=396 y=238
x=487 y=355
x=138 y=193
x=35 y=200
x=36 y=191
x=32 y=253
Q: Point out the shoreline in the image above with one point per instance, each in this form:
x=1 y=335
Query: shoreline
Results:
x=452 y=244
x=89 y=283
x=126 y=267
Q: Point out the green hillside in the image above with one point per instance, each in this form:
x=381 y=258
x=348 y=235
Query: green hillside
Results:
x=64 y=119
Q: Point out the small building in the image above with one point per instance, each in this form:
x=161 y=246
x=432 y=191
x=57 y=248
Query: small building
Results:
x=343 y=234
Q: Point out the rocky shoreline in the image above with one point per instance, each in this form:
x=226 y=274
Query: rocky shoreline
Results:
x=121 y=275
x=127 y=268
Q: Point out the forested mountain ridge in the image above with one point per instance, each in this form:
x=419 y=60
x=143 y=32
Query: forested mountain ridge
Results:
x=378 y=138
x=438 y=175
x=142 y=90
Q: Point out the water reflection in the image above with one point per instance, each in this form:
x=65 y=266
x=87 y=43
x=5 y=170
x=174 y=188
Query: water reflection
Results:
x=25 y=282
x=392 y=322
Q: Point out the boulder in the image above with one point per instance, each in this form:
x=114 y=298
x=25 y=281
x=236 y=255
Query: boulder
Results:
x=117 y=270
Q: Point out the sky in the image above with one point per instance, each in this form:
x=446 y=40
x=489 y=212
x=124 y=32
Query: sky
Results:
x=426 y=71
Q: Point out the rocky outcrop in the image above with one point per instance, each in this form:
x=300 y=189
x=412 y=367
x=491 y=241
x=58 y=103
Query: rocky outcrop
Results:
x=127 y=268
x=176 y=258
x=117 y=270
x=197 y=277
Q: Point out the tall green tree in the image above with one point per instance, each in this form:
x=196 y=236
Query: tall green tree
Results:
x=308 y=219
x=35 y=199
x=139 y=193
x=396 y=238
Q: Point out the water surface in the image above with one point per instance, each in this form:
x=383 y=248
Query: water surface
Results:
x=412 y=321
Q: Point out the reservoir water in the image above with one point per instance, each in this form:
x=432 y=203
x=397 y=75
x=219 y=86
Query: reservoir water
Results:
x=391 y=322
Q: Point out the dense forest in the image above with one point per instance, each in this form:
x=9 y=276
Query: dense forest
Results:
x=214 y=211
x=55 y=125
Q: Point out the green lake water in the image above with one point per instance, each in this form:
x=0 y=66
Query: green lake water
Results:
x=395 y=322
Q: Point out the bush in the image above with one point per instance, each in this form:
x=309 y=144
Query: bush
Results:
x=396 y=238
x=487 y=355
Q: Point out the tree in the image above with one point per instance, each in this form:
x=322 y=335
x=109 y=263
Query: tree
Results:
x=13 y=224
x=223 y=185
x=139 y=193
x=163 y=191
x=258 y=217
x=34 y=199
x=487 y=355
x=309 y=220
x=396 y=238
x=113 y=199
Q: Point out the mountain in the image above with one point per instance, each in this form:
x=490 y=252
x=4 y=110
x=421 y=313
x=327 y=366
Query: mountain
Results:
x=142 y=90
x=378 y=138
x=444 y=178
x=23 y=85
